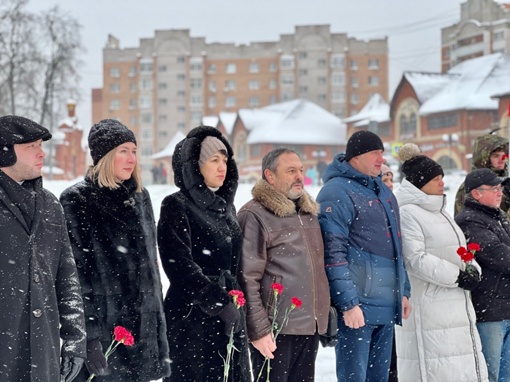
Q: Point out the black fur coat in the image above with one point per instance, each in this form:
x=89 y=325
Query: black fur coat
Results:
x=113 y=237
x=200 y=242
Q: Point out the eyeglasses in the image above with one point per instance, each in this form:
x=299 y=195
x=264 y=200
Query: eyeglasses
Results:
x=491 y=189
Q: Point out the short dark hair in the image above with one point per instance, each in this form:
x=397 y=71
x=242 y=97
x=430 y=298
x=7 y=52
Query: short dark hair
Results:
x=270 y=160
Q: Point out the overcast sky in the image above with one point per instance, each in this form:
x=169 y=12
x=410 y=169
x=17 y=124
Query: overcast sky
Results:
x=413 y=27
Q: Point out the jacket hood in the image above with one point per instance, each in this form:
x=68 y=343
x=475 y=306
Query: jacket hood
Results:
x=341 y=168
x=408 y=193
x=278 y=203
x=187 y=174
x=483 y=147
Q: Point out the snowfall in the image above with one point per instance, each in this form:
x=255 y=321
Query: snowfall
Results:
x=325 y=365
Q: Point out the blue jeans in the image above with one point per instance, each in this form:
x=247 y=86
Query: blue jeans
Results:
x=495 y=338
x=363 y=355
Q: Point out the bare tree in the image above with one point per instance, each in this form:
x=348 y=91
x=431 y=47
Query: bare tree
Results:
x=38 y=61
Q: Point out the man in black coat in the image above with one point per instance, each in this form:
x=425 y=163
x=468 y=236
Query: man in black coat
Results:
x=40 y=298
x=484 y=223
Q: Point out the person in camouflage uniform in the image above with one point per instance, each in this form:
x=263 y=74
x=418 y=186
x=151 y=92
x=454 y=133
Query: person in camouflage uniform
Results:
x=488 y=152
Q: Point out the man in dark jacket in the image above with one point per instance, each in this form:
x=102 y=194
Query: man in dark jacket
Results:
x=484 y=223
x=360 y=224
x=283 y=244
x=39 y=290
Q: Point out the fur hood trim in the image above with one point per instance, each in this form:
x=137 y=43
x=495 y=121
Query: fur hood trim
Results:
x=278 y=203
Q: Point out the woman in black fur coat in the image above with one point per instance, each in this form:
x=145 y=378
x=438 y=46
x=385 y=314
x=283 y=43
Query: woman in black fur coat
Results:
x=113 y=235
x=200 y=243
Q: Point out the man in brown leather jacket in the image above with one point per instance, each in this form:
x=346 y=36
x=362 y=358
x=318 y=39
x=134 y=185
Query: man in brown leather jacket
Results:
x=283 y=244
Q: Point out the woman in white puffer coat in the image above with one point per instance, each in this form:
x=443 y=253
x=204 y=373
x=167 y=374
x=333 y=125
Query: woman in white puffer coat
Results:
x=439 y=341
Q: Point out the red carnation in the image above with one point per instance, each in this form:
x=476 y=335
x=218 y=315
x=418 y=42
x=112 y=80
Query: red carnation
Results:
x=473 y=247
x=278 y=288
x=123 y=335
x=461 y=251
x=296 y=302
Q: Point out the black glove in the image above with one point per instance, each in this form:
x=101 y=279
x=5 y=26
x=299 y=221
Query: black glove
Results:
x=96 y=362
x=468 y=281
x=232 y=318
x=70 y=367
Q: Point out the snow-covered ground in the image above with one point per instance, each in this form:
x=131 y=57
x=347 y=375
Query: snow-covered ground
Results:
x=325 y=366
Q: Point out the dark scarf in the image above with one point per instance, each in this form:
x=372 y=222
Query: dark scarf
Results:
x=22 y=196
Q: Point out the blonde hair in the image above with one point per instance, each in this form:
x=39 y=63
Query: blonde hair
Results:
x=104 y=173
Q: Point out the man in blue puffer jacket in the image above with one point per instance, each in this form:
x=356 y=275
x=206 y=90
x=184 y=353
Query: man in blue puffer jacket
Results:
x=360 y=225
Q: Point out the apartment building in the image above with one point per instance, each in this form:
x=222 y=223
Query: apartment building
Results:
x=484 y=28
x=170 y=81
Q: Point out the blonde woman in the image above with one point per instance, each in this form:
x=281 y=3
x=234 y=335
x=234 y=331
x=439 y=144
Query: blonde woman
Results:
x=111 y=225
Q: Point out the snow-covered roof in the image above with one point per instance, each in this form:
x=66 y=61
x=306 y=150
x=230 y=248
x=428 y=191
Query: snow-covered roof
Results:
x=474 y=83
x=168 y=151
x=210 y=120
x=228 y=120
x=427 y=85
x=376 y=109
x=71 y=122
x=293 y=122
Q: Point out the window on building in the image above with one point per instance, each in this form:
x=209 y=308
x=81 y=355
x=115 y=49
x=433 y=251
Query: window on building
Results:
x=303 y=89
x=195 y=117
x=146 y=133
x=212 y=86
x=196 y=83
x=133 y=120
x=133 y=103
x=373 y=63
x=287 y=97
x=146 y=84
x=408 y=125
x=162 y=134
x=145 y=102
x=321 y=80
x=212 y=102
x=254 y=67
x=146 y=118
x=231 y=68
x=132 y=87
x=230 y=101
x=114 y=104
x=145 y=67
x=303 y=72
x=321 y=62
x=181 y=59
x=354 y=82
x=354 y=99
x=181 y=93
x=181 y=109
x=230 y=85
x=181 y=126
x=272 y=84
x=162 y=101
x=338 y=96
x=195 y=100
x=373 y=80
x=272 y=67
x=115 y=88
x=499 y=36
x=195 y=66
x=162 y=85
x=272 y=100
x=442 y=121
x=162 y=68
x=181 y=77
x=287 y=79
x=132 y=71
x=338 y=79
x=254 y=85
x=287 y=62
x=114 y=72
x=211 y=69
x=337 y=61
x=162 y=118
x=146 y=151
x=354 y=65
x=302 y=55
x=321 y=97
x=254 y=101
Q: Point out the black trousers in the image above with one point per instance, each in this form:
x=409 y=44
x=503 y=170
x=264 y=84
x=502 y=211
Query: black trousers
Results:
x=294 y=359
